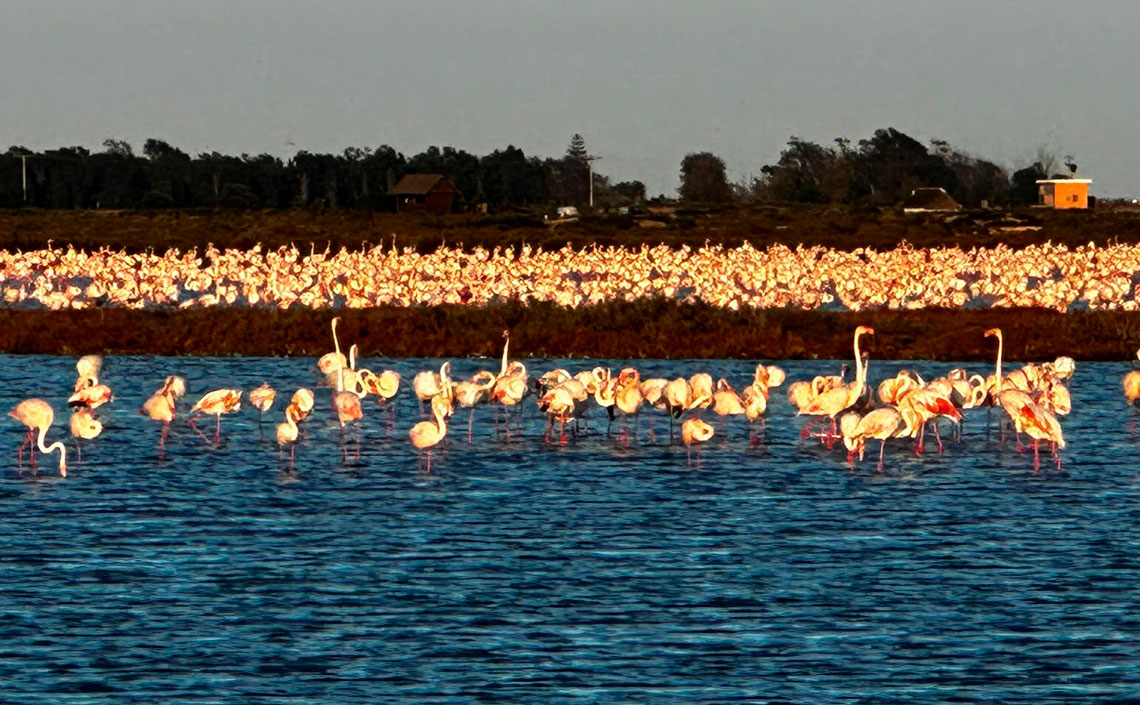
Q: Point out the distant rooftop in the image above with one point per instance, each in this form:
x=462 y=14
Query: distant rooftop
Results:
x=419 y=185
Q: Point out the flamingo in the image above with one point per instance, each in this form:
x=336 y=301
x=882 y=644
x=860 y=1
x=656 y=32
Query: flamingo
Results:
x=470 y=393
x=653 y=392
x=694 y=431
x=1012 y=401
x=161 y=406
x=802 y=393
x=725 y=400
x=834 y=401
x=262 y=399
x=90 y=397
x=384 y=385
x=329 y=363
x=1041 y=425
x=302 y=402
x=428 y=384
x=511 y=387
x=428 y=434
x=1018 y=379
x=88 y=368
x=701 y=385
x=287 y=432
x=560 y=404
x=605 y=396
x=626 y=396
x=84 y=425
x=38 y=415
x=216 y=403
x=347 y=403
x=880 y=424
x=894 y=388
x=1131 y=384
x=920 y=406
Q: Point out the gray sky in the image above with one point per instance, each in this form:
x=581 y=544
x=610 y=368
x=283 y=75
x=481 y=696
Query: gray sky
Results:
x=644 y=82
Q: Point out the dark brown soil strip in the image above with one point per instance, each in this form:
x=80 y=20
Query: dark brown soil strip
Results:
x=653 y=329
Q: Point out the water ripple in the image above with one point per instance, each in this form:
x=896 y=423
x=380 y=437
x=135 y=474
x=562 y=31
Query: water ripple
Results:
x=591 y=573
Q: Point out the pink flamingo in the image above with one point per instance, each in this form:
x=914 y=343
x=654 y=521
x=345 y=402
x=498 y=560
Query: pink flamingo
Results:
x=38 y=415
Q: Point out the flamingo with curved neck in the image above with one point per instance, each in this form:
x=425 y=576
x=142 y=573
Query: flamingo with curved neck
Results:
x=860 y=365
x=996 y=386
x=506 y=344
x=834 y=401
x=37 y=414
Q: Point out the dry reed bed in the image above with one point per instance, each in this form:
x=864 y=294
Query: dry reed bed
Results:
x=651 y=329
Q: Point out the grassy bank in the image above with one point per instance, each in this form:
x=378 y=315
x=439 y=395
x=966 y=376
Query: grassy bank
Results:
x=761 y=226
x=651 y=330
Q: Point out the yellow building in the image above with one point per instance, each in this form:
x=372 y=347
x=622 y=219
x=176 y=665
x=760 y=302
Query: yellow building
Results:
x=1063 y=193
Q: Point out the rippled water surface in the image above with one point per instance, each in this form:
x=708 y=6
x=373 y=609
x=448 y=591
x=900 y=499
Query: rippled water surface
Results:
x=600 y=571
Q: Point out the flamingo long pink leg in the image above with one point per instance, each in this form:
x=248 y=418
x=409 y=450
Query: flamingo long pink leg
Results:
x=197 y=430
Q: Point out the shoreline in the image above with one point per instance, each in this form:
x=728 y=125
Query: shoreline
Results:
x=652 y=329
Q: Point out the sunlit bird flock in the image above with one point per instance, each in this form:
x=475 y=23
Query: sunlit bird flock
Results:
x=838 y=413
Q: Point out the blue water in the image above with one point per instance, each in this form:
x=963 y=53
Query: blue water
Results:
x=519 y=570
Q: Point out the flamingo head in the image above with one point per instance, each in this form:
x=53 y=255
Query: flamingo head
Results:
x=864 y=330
x=992 y=332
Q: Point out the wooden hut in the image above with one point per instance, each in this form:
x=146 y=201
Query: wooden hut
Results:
x=429 y=193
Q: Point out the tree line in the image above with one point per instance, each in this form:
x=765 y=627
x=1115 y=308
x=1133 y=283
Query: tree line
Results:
x=163 y=176
x=879 y=171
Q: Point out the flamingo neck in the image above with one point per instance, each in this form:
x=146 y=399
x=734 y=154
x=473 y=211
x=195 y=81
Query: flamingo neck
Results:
x=503 y=366
x=997 y=367
x=440 y=421
x=339 y=362
x=52 y=448
x=860 y=371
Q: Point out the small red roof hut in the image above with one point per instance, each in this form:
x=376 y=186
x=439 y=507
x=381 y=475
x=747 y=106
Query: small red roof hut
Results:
x=430 y=193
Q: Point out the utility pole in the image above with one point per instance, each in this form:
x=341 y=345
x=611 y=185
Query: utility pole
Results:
x=24 y=175
x=590 y=170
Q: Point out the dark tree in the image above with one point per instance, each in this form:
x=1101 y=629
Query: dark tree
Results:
x=169 y=174
x=891 y=164
x=703 y=179
x=460 y=166
x=1023 y=185
x=507 y=177
x=577 y=148
x=807 y=173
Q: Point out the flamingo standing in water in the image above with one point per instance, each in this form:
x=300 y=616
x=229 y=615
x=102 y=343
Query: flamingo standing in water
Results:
x=470 y=393
x=161 y=405
x=84 y=425
x=835 y=401
x=262 y=399
x=880 y=424
x=427 y=434
x=303 y=401
x=694 y=431
x=216 y=403
x=88 y=368
x=38 y=416
x=1131 y=384
x=1041 y=425
x=287 y=433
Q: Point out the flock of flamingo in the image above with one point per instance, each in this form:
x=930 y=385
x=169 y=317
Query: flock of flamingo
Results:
x=1042 y=275
x=903 y=406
